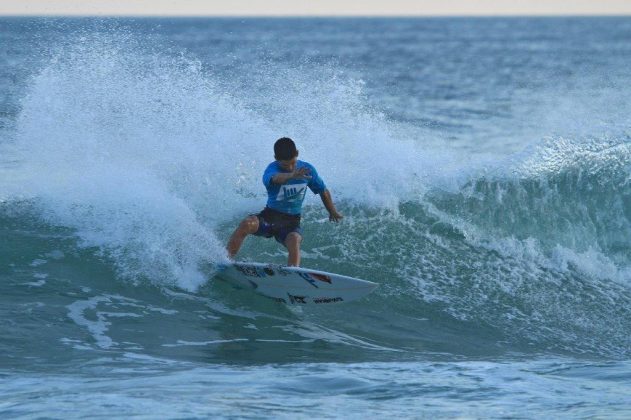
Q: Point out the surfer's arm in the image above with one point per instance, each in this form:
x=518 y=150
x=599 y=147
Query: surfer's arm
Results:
x=334 y=215
x=282 y=177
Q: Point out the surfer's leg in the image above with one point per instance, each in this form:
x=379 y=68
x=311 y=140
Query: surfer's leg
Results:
x=248 y=226
x=292 y=242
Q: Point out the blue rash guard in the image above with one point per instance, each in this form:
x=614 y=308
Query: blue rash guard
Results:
x=288 y=197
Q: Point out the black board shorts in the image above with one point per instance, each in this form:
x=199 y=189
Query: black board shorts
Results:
x=273 y=223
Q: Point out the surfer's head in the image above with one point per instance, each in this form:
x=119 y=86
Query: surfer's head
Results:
x=285 y=149
x=285 y=153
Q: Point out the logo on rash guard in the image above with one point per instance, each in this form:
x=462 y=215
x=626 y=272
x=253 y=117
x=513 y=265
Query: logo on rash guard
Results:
x=292 y=192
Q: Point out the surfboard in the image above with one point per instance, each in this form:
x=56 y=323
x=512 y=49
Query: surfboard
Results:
x=295 y=285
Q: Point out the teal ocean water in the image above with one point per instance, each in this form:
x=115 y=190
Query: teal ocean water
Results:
x=483 y=167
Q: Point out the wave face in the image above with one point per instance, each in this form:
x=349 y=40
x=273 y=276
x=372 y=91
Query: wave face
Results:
x=128 y=164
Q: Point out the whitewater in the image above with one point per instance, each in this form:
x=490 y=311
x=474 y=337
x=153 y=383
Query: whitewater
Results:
x=483 y=167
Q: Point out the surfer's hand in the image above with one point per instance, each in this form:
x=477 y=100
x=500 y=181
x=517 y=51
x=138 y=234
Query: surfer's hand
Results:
x=334 y=216
x=302 y=173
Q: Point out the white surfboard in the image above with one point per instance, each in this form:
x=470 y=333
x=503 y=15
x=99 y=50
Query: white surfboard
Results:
x=295 y=285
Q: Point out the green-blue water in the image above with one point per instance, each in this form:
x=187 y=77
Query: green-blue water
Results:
x=483 y=167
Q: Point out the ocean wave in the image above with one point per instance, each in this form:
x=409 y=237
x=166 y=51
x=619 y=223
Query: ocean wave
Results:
x=144 y=161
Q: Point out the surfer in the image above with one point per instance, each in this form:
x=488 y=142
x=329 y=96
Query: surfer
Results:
x=286 y=180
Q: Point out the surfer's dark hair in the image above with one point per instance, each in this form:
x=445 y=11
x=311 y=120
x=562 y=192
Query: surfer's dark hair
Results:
x=285 y=149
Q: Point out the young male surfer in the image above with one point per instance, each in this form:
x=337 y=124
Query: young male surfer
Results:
x=286 y=180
